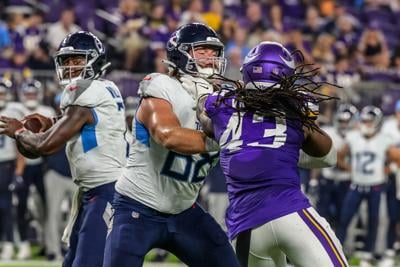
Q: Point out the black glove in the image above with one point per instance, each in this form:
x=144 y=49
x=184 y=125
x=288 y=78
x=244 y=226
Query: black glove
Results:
x=16 y=184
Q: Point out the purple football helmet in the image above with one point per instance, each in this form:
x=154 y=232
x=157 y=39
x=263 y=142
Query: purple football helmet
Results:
x=265 y=63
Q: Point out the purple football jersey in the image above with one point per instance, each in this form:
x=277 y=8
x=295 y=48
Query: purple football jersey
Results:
x=259 y=159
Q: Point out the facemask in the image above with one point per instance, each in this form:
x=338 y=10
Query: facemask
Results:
x=366 y=131
x=31 y=103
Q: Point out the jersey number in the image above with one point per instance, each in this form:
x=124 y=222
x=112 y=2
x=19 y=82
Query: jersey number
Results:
x=190 y=171
x=364 y=161
x=235 y=143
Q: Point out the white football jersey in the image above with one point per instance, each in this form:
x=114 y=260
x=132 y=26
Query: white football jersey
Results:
x=338 y=140
x=391 y=127
x=155 y=176
x=45 y=111
x=8 y=148
x=98 y=153
x=368 y=157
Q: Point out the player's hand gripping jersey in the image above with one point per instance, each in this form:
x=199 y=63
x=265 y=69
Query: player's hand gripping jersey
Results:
x=157 y=177
x=97 y=154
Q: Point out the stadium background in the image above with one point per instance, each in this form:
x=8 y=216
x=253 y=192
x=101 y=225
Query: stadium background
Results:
x=355 y=43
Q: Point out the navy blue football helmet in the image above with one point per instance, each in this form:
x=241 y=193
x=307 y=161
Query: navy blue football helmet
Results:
x=85 y=45
x=371 y=119
x=5 y=90
x=184 y=40
x=345 y=118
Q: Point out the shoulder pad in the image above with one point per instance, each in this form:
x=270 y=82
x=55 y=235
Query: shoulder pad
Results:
x=157 y=85
x=77 y=93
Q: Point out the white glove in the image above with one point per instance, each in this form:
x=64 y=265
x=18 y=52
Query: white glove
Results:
x=196 y=86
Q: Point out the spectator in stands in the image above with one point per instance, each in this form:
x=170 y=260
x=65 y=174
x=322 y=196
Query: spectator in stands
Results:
x=131 y=21
x=227 y=28
x=313 y=24
x=346 y=31
x=193 y=12
x=40 y=58
x=239 y=41
x=255 y=21
x=323 y=52
x=65 y=25
x=293 y=11
x=234 y=63
x=276 y=18
x=295 y=41
x=214 y=16
x=372 y=47
x=174 y=9
x=4 y=37
x=34 y=32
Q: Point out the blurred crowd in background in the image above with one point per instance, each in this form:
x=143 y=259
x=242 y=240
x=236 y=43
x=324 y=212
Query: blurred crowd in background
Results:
x=351 y=41
x=355 y=43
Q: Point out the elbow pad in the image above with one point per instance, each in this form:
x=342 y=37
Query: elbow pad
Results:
x=309 y=162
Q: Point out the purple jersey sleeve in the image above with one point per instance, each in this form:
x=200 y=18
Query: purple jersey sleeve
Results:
x=209 y=105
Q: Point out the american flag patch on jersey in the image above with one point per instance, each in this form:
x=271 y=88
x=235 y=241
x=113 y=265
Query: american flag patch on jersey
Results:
x=257 y=69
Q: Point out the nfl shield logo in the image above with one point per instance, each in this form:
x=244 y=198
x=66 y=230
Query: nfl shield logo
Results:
x=257 y=69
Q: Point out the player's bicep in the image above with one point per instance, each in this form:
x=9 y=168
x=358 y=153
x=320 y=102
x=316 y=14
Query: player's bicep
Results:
x=70 y=124
x=158 y=117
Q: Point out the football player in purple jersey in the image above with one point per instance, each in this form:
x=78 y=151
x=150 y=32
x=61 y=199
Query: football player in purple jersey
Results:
x=261 y=126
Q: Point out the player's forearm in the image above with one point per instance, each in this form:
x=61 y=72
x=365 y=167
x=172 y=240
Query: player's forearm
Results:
x=34 y=143
x=182 y=140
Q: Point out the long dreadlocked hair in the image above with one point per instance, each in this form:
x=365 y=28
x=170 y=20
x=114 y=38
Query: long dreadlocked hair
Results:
x=291 y=97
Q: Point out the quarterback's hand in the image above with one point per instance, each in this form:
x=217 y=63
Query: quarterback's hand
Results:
x=9 y=126
x=196 y=86
x=45 y=122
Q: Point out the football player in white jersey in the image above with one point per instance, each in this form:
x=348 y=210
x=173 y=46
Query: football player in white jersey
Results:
x=334 y=182
x=155 y=204
x=11 y=169
x=368 y=149
x=92 y=126
x=31 y=96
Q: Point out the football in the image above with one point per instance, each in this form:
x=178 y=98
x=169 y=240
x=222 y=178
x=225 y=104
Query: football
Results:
x=32 y=124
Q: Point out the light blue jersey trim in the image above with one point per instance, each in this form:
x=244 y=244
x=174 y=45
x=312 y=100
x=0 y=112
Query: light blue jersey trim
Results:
x=142 y=134
x=88 y=134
